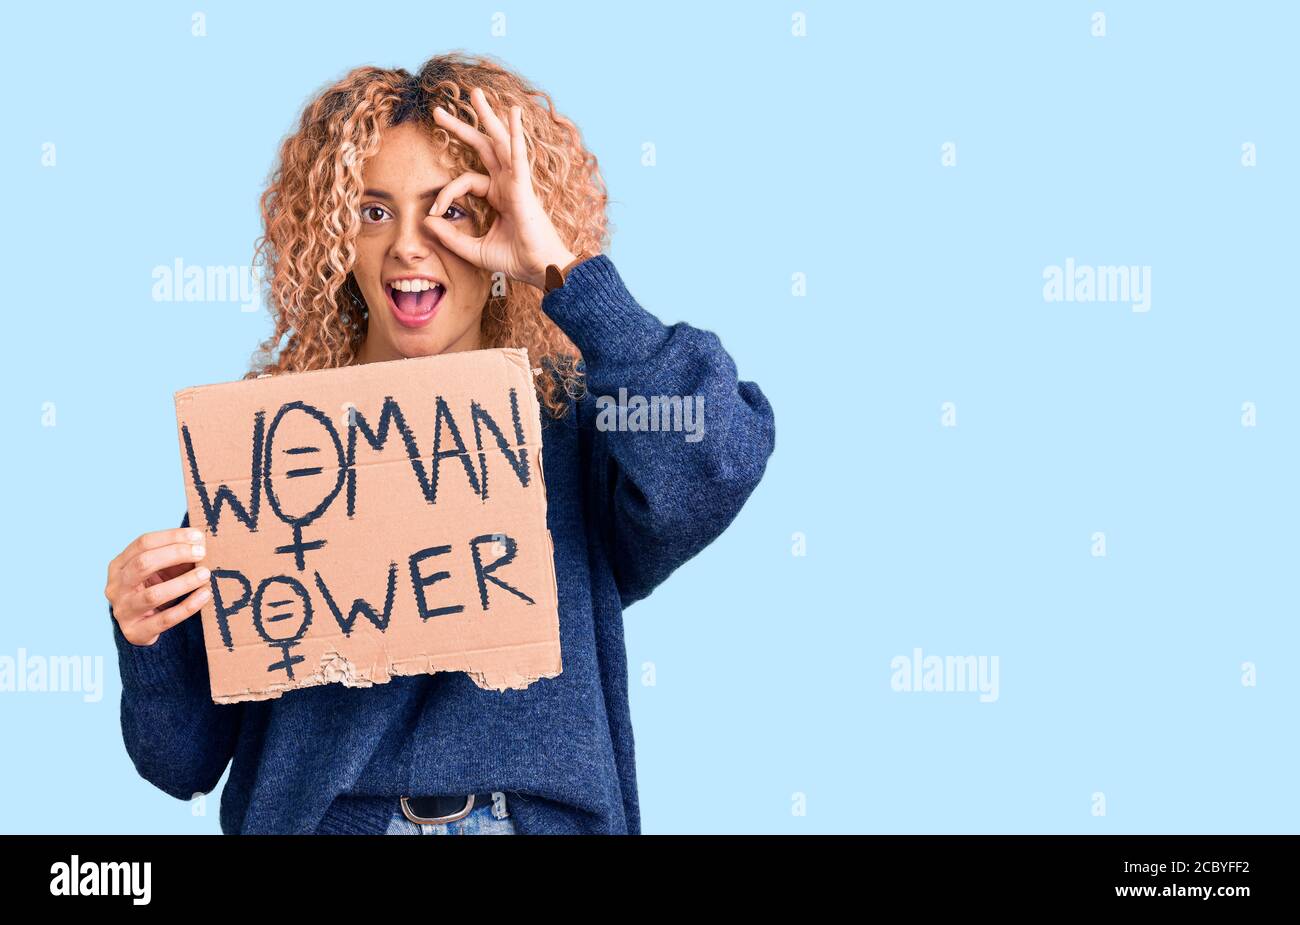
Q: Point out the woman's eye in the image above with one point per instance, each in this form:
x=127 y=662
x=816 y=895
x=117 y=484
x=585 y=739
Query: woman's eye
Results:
x=461 y=213
x=373 y=214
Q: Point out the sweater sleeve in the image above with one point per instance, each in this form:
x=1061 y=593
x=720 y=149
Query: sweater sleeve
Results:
x=178 y=739
x=662 y=495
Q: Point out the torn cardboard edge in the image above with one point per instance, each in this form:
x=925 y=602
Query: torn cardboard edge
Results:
x=336 y=668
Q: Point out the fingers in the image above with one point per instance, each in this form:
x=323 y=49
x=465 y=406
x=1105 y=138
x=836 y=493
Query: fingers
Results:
x=153 y=540
x=470 y=136
x=145 y=601
x=140 y=580
x=518 y=146
x=464 y=246
x=496 y=129
x=137 y=571
x=497 y=148
x=145 y=631
x=468 y=182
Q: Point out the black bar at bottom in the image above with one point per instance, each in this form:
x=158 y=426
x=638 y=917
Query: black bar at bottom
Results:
x=213 y=873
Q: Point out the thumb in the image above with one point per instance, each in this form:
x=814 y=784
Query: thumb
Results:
x=464 y=246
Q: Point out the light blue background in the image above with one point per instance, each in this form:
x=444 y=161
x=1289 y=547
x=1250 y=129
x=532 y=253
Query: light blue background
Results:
x=776 y=155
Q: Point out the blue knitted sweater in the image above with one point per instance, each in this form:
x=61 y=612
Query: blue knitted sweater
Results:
x=625 y=508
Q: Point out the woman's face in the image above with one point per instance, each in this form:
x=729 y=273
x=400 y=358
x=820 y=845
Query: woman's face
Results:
x=442 y=310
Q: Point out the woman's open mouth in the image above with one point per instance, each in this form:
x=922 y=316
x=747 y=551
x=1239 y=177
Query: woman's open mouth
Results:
x=414 y=301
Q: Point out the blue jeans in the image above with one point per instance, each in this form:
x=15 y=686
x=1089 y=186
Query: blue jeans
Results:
x=484 y=819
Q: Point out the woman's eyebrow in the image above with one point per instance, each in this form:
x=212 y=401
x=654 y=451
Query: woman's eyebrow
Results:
x=380 y=194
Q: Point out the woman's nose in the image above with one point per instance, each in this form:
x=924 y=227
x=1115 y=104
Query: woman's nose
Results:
x=412 y=243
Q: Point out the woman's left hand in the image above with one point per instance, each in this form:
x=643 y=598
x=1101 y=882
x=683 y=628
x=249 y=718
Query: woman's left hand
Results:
x=522 y=240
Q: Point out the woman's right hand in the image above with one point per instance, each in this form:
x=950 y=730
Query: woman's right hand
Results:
x=153 y=570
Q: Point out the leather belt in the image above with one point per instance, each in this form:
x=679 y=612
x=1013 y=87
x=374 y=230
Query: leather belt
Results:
x=439 y=809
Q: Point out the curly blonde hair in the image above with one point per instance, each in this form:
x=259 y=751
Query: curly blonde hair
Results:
x=311 y=217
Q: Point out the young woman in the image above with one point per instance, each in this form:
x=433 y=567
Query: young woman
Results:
x=419 y=214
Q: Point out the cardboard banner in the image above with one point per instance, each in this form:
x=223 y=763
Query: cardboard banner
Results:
x=376 y=520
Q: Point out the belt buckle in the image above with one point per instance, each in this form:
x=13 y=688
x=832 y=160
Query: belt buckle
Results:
x=438 y=820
